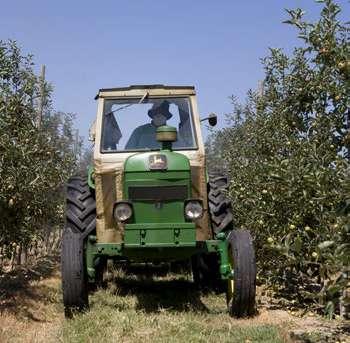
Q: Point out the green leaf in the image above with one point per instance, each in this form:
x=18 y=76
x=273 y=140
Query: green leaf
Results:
x=297 y=244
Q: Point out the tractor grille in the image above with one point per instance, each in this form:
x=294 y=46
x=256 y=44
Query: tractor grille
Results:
x=159 y=193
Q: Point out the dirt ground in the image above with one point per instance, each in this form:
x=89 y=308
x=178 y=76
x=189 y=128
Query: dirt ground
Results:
x=31 y=311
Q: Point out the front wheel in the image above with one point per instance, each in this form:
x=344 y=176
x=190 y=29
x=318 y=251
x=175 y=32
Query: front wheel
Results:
x=240 y=293
x=74 y=278
x=80 y=221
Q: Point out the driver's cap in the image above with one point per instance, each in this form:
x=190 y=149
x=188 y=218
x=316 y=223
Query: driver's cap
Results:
x=163 y=108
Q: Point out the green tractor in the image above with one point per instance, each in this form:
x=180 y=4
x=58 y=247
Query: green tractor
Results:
x=148 y=198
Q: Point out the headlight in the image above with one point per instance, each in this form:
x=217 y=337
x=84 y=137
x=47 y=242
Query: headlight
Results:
x=122 y=211
x=193 y=209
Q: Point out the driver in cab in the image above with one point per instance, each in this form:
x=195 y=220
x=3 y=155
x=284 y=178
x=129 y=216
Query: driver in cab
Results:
x=144 y=136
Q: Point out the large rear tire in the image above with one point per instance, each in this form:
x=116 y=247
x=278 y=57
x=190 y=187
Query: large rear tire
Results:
x=205 y=267
x=220 y=208
x=241 y=290
x=206 y=274
x=80 y=221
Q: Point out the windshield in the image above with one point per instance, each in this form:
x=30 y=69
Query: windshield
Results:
x=131 y=124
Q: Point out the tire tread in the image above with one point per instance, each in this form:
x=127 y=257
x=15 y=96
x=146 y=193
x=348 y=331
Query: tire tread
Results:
x=80 y=216
x=243 y=255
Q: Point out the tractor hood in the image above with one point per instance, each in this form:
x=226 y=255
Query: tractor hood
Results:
x=157 y=184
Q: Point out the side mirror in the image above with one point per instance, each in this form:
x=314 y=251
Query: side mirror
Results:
x=212 y=119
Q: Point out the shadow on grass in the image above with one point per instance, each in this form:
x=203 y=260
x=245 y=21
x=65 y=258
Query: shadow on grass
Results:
x=154 y=294
x=17 y=295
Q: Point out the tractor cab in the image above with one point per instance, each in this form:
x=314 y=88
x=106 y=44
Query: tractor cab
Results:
x=126 y=128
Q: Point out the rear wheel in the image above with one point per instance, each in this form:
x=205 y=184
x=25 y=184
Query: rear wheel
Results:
x=240 y=293
x=206 y=274
x=101 y=269
x=220 y=208
x=80 y=221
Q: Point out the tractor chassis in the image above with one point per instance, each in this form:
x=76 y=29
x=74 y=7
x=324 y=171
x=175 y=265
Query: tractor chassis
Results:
x=156 y=252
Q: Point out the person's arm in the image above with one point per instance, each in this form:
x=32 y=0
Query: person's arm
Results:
x=185 y=132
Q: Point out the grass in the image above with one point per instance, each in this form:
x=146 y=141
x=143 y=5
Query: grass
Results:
x=138 y=308
x=135 y=307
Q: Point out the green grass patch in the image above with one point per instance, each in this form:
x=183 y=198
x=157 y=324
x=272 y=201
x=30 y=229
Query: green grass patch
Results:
x=162 y=309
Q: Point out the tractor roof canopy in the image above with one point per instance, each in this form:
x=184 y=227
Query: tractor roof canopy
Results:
x=153 y=90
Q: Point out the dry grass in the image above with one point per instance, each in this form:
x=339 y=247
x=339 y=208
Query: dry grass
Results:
x=30 y=304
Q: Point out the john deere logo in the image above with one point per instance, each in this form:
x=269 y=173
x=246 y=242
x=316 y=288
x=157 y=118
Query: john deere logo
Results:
x=157 y=162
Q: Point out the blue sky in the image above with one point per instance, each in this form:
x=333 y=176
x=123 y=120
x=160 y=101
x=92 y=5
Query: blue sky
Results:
x=213 y=45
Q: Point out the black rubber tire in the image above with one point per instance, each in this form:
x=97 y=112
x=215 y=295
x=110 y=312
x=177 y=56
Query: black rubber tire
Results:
x=80 y=220
x=241 y=252
x=220 y=208
x=74 y=279
x=100 y=268
x=205 y=268
x=81 y=205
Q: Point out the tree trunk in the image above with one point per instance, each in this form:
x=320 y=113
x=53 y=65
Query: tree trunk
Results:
x=19 y=254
